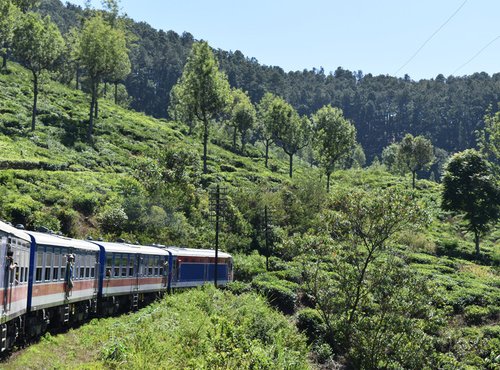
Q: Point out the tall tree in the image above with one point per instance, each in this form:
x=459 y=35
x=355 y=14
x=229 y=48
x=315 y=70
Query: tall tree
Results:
x=335 y=138
x=242 y=116
x=205 y=90
x=265 y=123
x=489 y=137
x=37 y=45
x=469 y=187
x=9 y=14
x=26 y=5
x=103 y=52
x=416 y=153
x=292 y=131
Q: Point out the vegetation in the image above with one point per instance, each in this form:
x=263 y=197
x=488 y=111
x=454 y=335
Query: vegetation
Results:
x=374 y=275
x=198 y=329
x=470 y=188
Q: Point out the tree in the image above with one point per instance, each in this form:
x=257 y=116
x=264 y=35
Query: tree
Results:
x=415 y=153
x=489 y=138
x=37 y=45
x=242 y=116
x=358 y=156
x=103 y=52
x=204 y=90
x=375 y=309
x=469 y=188
x=9 y=14
x=292 y=132
x=335 y=138
x=265 y=124
x=26 y=5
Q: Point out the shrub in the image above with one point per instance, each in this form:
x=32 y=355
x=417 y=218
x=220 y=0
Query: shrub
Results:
x=44 y=219
x=86 y=203
x=246 y=267
x=310 y=322
x=475 y=315
x=280 y=293
x=112 y=219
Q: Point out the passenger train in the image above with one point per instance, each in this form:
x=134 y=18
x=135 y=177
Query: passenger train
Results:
x=51 y=281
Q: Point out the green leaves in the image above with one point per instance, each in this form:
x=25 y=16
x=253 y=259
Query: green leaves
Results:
x=469 y=187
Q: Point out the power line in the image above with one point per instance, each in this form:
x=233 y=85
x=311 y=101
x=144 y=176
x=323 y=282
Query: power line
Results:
x=431 y=37
x=476 y=55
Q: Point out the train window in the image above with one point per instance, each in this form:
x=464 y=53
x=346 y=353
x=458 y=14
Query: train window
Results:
x=152 y=260
x=144 y=267
x=48 y=263
x=26 y=274
x=157 y=265
x=131 y=263
x=125 y=258
x=21 y=276
x=39 y=266
x=92 y=272
x=161 y=262
x=57 y=263
x=116 y=265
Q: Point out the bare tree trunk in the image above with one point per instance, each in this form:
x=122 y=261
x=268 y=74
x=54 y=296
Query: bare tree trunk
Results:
x=234 y=139
x=291 y=165
x=205 y=144
x=267 y=152
x=4 y=61
x=96 y=111
x=91 y=115
x=476 y=241
x=328 y=181
x=414 y=176
x=35 y=99
x=116 y=92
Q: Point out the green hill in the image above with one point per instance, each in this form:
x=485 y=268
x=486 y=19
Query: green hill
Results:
x=141 y=180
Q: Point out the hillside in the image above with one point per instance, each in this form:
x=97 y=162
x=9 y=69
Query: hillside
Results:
x=53 y=176
x=141 y=180
x=446 y=109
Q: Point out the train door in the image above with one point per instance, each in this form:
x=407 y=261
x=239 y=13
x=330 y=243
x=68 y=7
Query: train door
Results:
x=7 y=276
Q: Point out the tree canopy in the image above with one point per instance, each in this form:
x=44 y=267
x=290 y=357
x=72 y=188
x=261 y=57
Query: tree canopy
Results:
x=243 y=116
x=469 y=188
x=335 y=138
x=37 y=44
x=415 y=154
x=203 y=90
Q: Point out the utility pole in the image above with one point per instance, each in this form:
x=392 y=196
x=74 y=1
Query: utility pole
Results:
x=218 y=202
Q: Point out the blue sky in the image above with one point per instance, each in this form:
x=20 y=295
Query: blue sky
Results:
x=376 y=37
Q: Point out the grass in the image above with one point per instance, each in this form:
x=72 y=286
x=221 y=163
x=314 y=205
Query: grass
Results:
x=197 y=329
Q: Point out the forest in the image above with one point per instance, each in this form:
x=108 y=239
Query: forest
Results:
x=362 y=211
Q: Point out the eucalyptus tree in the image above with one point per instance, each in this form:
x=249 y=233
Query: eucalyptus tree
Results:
x=415 y=154
x=9 y=14
x=265 y=124
x=292 y=131
x=335 y=138
x=102 y=51
x=243 y=116
x=203 y=90
x=37 y=45
x=469 y=188
x=26 y=5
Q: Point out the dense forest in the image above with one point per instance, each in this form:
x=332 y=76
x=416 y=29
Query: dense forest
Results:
x=337 y=263
x=447 y=110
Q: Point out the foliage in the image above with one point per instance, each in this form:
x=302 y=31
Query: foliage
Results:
x=37 y=44
x=334 y=137
x=102 y=51
x=242 y=116
x=198 y=329
x=203 y=90
x=415 y=154
x=469 y=187
x=9 y=14
x=489 y=138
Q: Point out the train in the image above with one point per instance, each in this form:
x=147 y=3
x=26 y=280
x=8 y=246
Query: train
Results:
x=52 y=281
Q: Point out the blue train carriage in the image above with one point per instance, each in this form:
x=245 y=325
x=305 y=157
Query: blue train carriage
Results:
x=14 y=254
x=195 y=267
x=63 y=283
x=131 y=275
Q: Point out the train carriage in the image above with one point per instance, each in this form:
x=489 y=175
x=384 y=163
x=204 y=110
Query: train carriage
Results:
x=14 y=252
x=63 y=283
x=195 y=267
x=131 y=273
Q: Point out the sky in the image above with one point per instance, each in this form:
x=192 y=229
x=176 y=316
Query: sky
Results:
x=374 y=36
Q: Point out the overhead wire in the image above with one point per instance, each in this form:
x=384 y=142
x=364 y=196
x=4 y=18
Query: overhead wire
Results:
x=431 y=37
x=476 y=55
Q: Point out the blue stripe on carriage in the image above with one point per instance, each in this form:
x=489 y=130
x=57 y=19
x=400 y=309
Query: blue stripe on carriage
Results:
x=196 y=272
